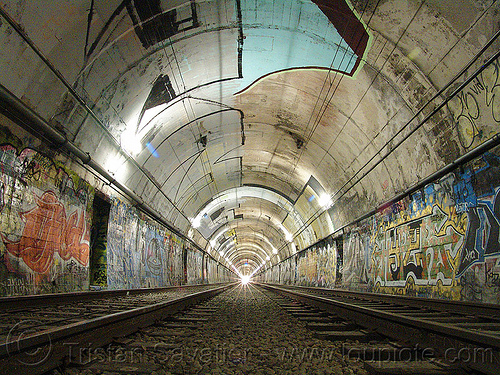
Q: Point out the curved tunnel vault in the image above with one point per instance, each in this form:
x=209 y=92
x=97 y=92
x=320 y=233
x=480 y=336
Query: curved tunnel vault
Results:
x=256 y=129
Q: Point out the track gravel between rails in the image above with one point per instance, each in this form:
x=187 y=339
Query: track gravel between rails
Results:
x=249 y=333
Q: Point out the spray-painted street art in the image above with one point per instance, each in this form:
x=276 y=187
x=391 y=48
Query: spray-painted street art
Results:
x=49 y=231
x=45 y=223
x=122 y=241
x=287 y=271
x=194 y=266
x=448 y=232
x=316 y=266
x=327 y=259
x=356 y=258
x=442 y=242
x=99 y=243
x=143 y=254
x=477 y=108
x=307 y=267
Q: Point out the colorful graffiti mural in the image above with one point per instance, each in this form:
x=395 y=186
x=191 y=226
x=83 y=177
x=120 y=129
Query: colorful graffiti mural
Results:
x=356 y=259
x=316 y=266
x=143 y=254
x=47 y=232
x=307 y=268
x=123 y=259
x=45 y=212
x=443 y=241
x=327 y=264
x=287 y=271
x=194 y=266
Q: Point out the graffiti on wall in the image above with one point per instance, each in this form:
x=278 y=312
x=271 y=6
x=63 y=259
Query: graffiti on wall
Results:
x=44 y=223
x=143 y=254
x=307 y=269
x=194 y=264
x=287 y=271
x=99 y=243
x=478 y=196
x=327 y=259
x=48 y=231
x=315 y=266
x=443 y=241
x=356 y=267
x=122 y=254
x=479 y=268
x=477 y=108
x=153 y=270
x=422 y=251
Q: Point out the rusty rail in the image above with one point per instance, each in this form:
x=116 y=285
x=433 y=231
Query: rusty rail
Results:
x=39 y=352
x=443 y=337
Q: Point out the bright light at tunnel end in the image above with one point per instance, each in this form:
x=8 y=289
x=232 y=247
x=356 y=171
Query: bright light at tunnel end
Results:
x=245 y=279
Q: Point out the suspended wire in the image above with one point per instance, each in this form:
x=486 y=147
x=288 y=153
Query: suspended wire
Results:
x=307 y=223
x=324 y=103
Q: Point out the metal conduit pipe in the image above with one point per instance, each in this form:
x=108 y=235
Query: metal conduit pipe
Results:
x=21 y=114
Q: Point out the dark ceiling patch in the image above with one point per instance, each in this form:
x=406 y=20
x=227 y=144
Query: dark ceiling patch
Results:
x=152 y=25
x=299 y=141
x=347 y=24
x=162 y=92
x=216 y=214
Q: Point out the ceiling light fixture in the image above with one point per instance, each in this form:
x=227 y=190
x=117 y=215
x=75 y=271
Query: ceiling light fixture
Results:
x=325 y=201
x=130 y=142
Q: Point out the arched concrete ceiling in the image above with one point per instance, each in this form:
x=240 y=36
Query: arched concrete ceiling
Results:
x=245 y=123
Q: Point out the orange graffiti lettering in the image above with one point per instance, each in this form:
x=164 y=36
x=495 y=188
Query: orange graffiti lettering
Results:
x=48 y=231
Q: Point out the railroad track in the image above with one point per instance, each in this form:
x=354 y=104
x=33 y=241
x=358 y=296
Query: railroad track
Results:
x=40 y=333
x=240 y=331
x=419 y=336
x=186 y=331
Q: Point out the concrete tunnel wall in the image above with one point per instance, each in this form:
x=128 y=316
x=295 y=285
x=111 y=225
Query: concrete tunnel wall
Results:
x=55 y=239
x=441 y=241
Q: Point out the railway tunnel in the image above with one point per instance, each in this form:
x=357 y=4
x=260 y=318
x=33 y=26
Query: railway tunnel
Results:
x=348 y=145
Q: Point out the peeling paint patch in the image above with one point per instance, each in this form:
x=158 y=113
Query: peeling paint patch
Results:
x=282 y=35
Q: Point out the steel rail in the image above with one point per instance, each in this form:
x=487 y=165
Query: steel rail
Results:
x=425 y=333
x=62 y=344
x=456 y=307
x=16 y=302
